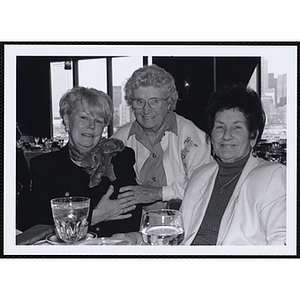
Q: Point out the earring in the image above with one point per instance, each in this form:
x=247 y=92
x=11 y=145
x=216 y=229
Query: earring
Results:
x=253 y=152
x=67 y=129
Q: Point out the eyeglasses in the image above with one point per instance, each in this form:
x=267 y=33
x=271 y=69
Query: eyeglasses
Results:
x=154 y=103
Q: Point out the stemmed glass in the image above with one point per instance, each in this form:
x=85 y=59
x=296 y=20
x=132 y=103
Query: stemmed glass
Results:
x=162 y=227
x=36 y=139
x=48 y=144
x=70 y=218
x=44 y=139
x=61 y=142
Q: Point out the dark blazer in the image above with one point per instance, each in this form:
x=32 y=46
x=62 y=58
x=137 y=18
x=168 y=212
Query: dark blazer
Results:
x=54 y=174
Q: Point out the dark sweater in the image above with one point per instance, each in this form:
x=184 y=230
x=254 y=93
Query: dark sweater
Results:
x=228 y=176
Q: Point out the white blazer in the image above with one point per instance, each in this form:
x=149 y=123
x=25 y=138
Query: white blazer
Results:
x=256 y=212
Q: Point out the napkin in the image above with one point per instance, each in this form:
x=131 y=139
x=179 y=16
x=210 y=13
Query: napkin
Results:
x=34 y=234
x=105 y=241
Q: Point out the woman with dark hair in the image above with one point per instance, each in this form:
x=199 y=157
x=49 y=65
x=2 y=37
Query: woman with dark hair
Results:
x=245 y=100
x=89 y=165
x=239 y=199
x=168 y=147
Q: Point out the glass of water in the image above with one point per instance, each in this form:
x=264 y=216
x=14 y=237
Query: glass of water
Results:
x=162 y=227
x=70 y=218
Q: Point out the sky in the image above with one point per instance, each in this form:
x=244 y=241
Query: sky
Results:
x=276 y=65
x=92 y=70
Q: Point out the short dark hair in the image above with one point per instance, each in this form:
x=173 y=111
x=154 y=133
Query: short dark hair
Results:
x=242 y=98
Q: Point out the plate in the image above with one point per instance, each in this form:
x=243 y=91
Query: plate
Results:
x=35 y=147
x=54 y=240
x=104 y=241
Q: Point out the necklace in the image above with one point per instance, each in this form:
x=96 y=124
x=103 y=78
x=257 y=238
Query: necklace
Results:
x=224 y=185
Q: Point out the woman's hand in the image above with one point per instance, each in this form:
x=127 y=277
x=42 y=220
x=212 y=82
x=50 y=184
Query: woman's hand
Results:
x=141 y=194
x=108 y=210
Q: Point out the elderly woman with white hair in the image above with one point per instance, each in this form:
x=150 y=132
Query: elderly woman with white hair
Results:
x=168 y=147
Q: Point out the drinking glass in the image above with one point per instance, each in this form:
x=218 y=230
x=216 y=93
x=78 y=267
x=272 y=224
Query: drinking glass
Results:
x=61 y=143
x=36 y=139
x=70 y=218
x=48 y=144
x=162 y=227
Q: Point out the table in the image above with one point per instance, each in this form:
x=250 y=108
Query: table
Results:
x=37 y=235
x=34 y=234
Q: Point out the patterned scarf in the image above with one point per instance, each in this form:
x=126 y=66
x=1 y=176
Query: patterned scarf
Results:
x=97 y=161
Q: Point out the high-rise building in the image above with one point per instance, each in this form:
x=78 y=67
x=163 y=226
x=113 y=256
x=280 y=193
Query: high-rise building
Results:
x=274 y=98
x=117 y=99
x=281 y=90
x=264 y=76
x=125 y=113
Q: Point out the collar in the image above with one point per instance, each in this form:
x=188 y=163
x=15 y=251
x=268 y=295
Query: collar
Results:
x=170 y=122
x=232 y=168
x=97 y=162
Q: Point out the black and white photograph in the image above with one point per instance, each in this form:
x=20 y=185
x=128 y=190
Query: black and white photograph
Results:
x=171 y=128
x=129 y=149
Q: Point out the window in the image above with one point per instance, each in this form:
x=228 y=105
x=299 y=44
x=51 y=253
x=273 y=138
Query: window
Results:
x=274 y=97
x=123 y=67
x=93 y=73
x=61 y=82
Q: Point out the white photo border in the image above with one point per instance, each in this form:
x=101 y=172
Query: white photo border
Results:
x=286 y=51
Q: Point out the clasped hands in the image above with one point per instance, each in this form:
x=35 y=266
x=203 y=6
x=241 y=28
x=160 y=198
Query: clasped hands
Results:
x=142 y=194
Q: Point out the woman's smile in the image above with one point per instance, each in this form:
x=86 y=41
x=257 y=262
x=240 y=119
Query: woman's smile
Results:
x=230 y=135
x=85 y=128
x=88 y=135
x=227 y=145
x=147 y=117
